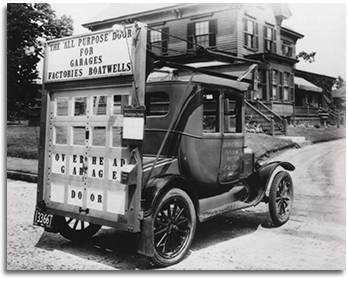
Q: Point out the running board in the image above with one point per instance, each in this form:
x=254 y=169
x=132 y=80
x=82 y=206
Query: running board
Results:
x=232 y=200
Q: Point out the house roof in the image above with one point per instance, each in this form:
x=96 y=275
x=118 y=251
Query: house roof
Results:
x=286 y=29
x=303 y=84
x=340 y=92
x=121 y=12
x=303 y=73
x=131 y=9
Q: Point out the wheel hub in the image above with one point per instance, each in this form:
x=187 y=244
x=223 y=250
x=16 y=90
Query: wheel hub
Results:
x=171 y=228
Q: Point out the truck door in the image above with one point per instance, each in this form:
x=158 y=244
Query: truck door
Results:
x=233 y=138
x=85 y=155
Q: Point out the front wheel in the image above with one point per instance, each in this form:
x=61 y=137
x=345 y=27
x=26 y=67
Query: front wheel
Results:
x=76 y=230
x=174 y=227
x=281 y=198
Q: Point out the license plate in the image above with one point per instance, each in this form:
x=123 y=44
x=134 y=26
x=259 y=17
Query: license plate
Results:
x=43 y=219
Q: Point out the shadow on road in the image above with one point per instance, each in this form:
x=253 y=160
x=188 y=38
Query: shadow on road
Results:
x=229 y=226
x=117 y=249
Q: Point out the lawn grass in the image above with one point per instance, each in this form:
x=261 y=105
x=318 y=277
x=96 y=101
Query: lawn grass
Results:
x=264 y=145
x=22 y=140
x=317 y=135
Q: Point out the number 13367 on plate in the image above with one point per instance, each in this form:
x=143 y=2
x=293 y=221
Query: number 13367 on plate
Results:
x=43 y=219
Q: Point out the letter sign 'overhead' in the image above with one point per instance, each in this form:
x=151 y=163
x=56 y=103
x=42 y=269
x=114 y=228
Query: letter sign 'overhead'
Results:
x=101 y=54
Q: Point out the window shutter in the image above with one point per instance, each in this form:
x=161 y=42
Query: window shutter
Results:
x=272 y=83
x=281 y=85
x=245 y=32
x=256 y=36
x=212 y=32
x=264 y=75
x=265 y=38
x=165 y=40
x=274 y=46
x=292 y=89
x=190 y=35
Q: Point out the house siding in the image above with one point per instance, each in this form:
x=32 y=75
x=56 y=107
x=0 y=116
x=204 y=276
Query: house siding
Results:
x=263 y=16
x=230 y=25
x=227 y=31
x=225 y=37
x=227 y=20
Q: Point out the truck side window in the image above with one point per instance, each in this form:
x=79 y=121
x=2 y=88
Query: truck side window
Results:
x=157 y=103
x=232 y=115
x=211 y=110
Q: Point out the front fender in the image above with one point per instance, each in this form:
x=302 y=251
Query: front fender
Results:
x=260 y=181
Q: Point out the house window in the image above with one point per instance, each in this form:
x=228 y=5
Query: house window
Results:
x=287 y=50
x=251 y=31
x=155 y=37
x=158 y=40
x=286 y=86
x=270 y=40
x=202 y=34
x=275 y=85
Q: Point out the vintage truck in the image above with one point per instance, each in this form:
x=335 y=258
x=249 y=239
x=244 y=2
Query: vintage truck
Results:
x=153 y=159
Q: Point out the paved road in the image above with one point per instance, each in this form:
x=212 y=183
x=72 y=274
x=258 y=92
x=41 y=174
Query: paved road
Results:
x=313 y=239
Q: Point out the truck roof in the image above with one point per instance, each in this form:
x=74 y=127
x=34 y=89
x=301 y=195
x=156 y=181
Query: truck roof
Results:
x=167 y=74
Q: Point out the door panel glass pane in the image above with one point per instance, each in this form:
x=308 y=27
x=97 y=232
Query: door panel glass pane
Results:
x=80 y=106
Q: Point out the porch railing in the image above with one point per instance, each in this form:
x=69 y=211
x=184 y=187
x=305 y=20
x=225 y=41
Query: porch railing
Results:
x=271 y=122
x=307 y=111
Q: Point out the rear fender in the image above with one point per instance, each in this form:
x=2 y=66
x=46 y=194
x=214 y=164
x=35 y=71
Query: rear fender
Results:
x=261 y=180
x=154 y=190
x=151 y=195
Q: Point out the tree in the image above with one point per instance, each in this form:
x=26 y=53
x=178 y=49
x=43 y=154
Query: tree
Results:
x=310 y=57
x=28 y=26
x=339 y=82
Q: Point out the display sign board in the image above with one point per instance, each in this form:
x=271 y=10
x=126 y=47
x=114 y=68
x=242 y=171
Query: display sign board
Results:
x=101 y=54
x=84 y=158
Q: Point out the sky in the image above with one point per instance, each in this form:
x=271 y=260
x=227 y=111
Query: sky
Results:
x=323 y=26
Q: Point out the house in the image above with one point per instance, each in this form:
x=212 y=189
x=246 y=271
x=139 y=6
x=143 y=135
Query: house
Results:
x=339 y=98
x=253 y=32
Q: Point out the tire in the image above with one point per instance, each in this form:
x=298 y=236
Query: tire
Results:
x=174 y=227
x=281 y=198
x=76 y=230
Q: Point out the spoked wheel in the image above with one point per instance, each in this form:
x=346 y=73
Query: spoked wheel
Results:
x=281 y=198
x=76 y=230
x=174 y=227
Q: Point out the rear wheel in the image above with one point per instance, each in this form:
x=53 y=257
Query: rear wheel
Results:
x=174 y=227
x=281 y=198
x=76 y=230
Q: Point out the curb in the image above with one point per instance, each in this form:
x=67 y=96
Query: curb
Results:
x=19 y=176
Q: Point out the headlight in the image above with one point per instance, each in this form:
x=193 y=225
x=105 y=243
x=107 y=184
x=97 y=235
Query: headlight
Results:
x=259 y=163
